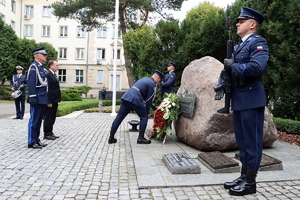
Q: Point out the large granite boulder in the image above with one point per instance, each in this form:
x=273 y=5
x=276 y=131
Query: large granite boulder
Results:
x=209 y=130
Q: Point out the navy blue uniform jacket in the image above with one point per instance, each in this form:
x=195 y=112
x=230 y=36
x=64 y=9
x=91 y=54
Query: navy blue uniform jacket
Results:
x=250 y=61
x=145 y=92
x=16 y=82
x=35 y=90
x=168 y=83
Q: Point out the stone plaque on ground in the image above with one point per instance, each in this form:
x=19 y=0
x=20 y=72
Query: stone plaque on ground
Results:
x=181 y=163
x=217 y=162
x=267 y=163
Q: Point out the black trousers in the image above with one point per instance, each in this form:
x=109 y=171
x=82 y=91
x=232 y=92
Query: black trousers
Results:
x=49 y=119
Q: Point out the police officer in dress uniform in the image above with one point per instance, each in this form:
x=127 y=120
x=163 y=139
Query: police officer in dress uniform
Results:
x=18 y=82
x=37 y=97
x=167 y=85
x=247 y=67
x=143 y=90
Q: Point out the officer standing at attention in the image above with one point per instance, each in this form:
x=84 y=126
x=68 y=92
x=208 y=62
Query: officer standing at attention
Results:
x=143 y=90
x=18 y=82
x=248 y=98
x=37 y=97
x=167 y=85
x=54 y=96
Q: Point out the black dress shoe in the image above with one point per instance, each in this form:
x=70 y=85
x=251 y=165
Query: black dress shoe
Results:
x=16 y=117
x=243 y=189
x=54 y=135
x=35 y=146
x=142 y=140
x=111 y=141
x=42 y=144
x=49 y=137
x=21 y=118
x=239 y=180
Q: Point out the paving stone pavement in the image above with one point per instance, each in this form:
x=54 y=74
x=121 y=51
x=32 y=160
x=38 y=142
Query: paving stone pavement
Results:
x=81 y=165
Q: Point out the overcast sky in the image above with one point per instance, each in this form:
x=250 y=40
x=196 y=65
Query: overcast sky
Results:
x=188 y=5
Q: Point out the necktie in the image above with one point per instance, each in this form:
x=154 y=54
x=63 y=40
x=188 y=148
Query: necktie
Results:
x=56 y=76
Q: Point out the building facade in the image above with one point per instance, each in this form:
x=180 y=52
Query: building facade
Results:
x=85 y=58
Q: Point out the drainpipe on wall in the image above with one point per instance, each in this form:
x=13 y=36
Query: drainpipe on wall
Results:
x=87 y=59
x=21 y=19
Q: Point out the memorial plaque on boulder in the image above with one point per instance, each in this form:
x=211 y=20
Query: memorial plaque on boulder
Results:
x=181 y=163
x=217 y=162
x=267 y=163
x=186 y=104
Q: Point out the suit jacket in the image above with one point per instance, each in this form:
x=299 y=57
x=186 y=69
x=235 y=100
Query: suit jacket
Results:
x=17 y=81
x=54 y=93
x=250 y=61
x=36 y=89
x=143 y=90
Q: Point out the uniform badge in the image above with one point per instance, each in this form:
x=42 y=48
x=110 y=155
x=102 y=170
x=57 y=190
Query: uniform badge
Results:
x=260 y=48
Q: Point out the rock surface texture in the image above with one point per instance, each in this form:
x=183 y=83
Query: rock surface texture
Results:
x=209 y=130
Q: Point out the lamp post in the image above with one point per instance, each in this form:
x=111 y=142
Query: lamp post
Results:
x=113 y=112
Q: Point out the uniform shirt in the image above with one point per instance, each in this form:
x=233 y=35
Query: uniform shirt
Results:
x=143 y=90
x=168 y=84
x=250 y=61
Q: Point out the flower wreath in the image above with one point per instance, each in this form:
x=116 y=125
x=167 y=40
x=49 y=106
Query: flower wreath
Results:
x=167 y=111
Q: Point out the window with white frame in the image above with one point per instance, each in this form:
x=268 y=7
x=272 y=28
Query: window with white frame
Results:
x=29 y=11
x=46 y=11
x=46 y=31
x=80 y=31
x=102 y=32
x=79 y=76
x=62 y=75
x=118 y=54
x=119 y=32
x=100 y=76
x=100 y=53
x=63 y=31
x=62 y=53
x=13 y=25
x=13 y=5
x=2 y=2
x=79 y=53
x=28 y=30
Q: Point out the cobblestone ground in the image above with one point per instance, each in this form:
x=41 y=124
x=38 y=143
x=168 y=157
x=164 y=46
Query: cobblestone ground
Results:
x=81 y=165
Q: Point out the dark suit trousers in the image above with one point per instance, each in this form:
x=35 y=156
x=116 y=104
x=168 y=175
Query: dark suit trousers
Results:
x=49 y=119
x=248 y=128
x=125 y=108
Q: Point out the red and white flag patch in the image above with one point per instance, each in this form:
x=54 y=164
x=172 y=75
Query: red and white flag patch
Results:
x=260 y=48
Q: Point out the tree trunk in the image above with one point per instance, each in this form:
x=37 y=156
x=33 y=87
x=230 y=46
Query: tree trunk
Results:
x=127 y=61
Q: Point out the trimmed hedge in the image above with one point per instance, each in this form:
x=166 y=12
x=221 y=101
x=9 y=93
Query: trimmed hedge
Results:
x=287 y=125
x=65 y=108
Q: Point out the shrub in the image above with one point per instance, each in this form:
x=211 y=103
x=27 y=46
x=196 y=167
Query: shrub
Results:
x=65 y=108
x=287 y=125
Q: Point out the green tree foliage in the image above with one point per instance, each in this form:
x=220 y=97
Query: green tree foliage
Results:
x=144 y=50
x=9 y=49
x=24 y=57
x=282 y=31
x=203 y=33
